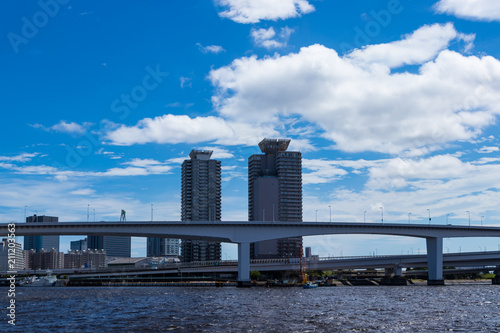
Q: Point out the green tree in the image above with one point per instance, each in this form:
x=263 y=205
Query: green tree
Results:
x=255 y=275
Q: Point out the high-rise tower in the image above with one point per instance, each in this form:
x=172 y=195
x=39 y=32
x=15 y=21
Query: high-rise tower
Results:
x=160 y=247
x=201 y=201
x=115 y=246
x=275 y=194
x=41 y=242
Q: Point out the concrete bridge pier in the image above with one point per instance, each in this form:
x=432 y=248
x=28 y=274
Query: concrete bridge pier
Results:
x=244 y=265
x=396 y=271
x=435 y=261
x=394 y=276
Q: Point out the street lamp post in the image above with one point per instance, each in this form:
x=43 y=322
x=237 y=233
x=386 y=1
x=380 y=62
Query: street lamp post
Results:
x=469 y=217
x=409 y=218
x=429 y=215
x=330 y=213
x=447 y=215
x=316 y=215
x=364 y=216
x=88 y=211
x=382 y=212
x=482 y=220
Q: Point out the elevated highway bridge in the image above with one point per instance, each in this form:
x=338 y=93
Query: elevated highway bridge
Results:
x=243 y=233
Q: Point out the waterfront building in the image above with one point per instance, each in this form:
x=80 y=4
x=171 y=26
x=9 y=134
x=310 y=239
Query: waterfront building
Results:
x=85 y=259
x=41 y=242
x=16 y=254
x=44 y=259
x=79 y=245
x=275 y=194
x=160 y=247
x=201 y=201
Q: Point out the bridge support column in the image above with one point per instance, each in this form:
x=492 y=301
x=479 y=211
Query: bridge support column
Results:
x=393 y=276
x=435 y=261
x=398 y=270
x=244 y=265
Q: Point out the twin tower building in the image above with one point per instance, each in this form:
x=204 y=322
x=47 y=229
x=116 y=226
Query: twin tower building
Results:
x=274 y=194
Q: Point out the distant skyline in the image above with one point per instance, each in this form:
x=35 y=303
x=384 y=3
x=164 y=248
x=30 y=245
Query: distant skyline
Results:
x=394 y=105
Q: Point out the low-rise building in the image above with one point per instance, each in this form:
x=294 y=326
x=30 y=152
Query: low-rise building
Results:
x=85 y=259
x=45 y=259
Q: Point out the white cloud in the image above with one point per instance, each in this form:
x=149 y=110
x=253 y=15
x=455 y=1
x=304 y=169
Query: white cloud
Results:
x=71 y=128
x=137 y=162
x=416 y=48
x=267 y=37
x=322 y=171
x=482 y=10
x=178 y=129
x=136 y=167
x=302 y=145
x=178 y=160
x=68 y=200
x=185 y=82
x=83 y=192
x=359 y=103
x=443 y=184
x=253 y=11
x=219 y=152
x=24 y=157
x=397 y=172
x=171 y=129
x=488 y=150
x=210 y=48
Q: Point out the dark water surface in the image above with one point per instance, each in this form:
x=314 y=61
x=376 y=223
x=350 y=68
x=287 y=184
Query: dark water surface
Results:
x=466 y=308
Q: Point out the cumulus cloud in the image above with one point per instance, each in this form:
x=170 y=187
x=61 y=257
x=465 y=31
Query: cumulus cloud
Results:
x=171 y=129
x=178 y=129
x=444 y=184
x=395 y=173
x=481 y=10
x=253 y=11
x=359 y=102
x=416 y=48
x=267 y=37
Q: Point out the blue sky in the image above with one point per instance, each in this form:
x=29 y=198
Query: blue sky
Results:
x=393 y=104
